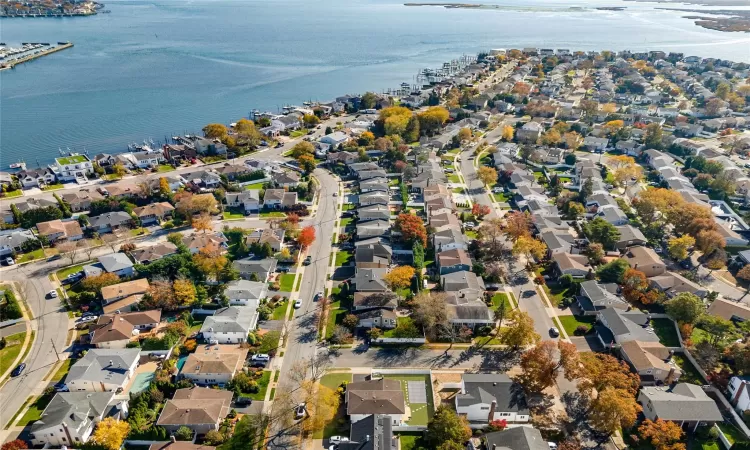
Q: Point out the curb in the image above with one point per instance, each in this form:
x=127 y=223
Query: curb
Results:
x=26 y=342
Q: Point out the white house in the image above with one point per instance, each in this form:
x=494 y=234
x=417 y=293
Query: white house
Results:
x=72 y=167
x=230 y=325
x=70 y=418
x=334 y=139
x=739 y=393
x=245 y=293
x=487 y=397
x=103 y=370
x=12 y=240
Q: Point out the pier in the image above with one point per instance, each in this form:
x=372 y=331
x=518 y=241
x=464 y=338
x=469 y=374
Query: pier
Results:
x=14 y=62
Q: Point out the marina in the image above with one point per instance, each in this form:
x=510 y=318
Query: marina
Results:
x=9 y=58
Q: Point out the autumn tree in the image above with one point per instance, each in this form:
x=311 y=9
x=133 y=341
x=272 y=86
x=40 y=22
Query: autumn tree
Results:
x=210 y=263
x=202 y=223
x=480 y=211
x=310 y=120
x=119 y=170
x=541 y=364
x=600 y=371
x=572 y=140
x=653 y=136
x=184 y=291
x=69 y=249
x=16 y=444
x=447 y=426
x=110 y=433
x=306 y=237
x=530 y=247
x=624 y=169
x=302 y=148
x=551 y=137
x=321 y=408
x=431 y=120
x=678 y=247
x=634 y=286
x=685 y=308
x=164 y=189
x=464 y=134
x=247 y=133
x=429 y=311
x=399 y=278
x=603 y=232
x=508 y=133
x=708 y=240
x=744 y=275
x=518 y=224
x=412 y=228
x=97 y=282
x=612 y=410
x=487 y=175
x=663 y=434
x=215 y=131
x=160 y=295
x=307 y=163
x=394 y=119
x=521 y=333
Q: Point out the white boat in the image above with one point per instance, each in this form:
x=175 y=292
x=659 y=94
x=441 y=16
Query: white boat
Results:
x=18 y=165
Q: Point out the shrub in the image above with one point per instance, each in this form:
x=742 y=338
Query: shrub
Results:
x=215 y=438
x=189 y=346
x=484 y=331
x=539 y=280
x=581 y=330
x=184 y=434
x=264 y=313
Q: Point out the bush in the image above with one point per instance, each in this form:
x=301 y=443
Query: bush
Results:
x=189 y=346
x=713 y=433
x=581 y=330
x=10 y=310
x=264 y=312
x=484 y=331
x=539 y=280
x=184 y=434
x=215 y=438
x=252 y=338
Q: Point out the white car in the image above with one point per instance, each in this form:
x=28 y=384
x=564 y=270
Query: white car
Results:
x=469 y=225
x=497 y=190
x=87 y=319
x=9 y=261
x=338 y=439
x=52 y=294
x=298 y=304
x=261 y=357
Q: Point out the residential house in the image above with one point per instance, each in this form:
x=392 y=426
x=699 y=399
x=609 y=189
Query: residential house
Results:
x=110 y=222
x=379 y=184
x=153 y=212
x=118 y=264
x=209 y=242
x=468 y=309
x=55 y=230
x=652 y=361
x=686 y=404
x=559 y=242
x=646 y=260
x=630 y=236
x=230 y=325
x=382 y=318
x=613 y=215
x=373 y=212
x=486 y=397
x=594 y=297
x=672 y=283
x=729 y=310
x=739 y=393
x=36 y=177
x=449 y=238
x=381 y=396
x=206 y=146
x=248 y=200
x=370 y=280
x=200 y=409
x=444 y=219
x=245 y=293
x=12 y=240
x=213 y=364
x=517 y=438
x=114 y=331
x=374 y=432
x=279 y=199
x=455 y=260
x=272 y=237
x=72 y=167
x=176 y=154
x=617 y=327
x=595 y=144
x=374 y=300
x=69 y=419
x=81 y=199
x=103 y=370
x=576 y=266
x=373 y=228
x=255 y=268
x=147 y=255
x=286 y=180
x=232 y=171
x=122 y=191
x=342 y=157
x=121 y=297
x=529 y=132
x=373 y=198
x=464 y=284
x=202 y=178
x=372 y=256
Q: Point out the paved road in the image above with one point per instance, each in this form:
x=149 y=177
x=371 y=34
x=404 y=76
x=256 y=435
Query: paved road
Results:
x=476 y=358
x=12 y=329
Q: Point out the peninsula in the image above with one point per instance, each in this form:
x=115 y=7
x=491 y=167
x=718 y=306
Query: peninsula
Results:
x=42 y=8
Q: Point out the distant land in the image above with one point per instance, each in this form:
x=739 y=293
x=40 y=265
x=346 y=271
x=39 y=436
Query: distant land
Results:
x=698 y=2
x=733 y=20
x=40 y=8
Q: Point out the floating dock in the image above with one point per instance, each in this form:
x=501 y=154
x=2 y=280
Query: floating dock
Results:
x=12 y=63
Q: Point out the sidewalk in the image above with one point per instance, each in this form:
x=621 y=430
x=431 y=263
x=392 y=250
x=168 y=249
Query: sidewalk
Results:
x=27 y=342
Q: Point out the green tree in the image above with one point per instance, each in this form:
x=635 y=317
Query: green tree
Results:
x=612 y=272
x=603 y=232
x=368 y=100
x=30 y=218
x=717 y=328
x=447 y=426
x=586 y=190
x=653 y=136
x=411 y=134
x=183 y=434
x=685 y=308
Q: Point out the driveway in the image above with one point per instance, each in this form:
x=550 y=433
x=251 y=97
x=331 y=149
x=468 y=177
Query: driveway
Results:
x=588 y=343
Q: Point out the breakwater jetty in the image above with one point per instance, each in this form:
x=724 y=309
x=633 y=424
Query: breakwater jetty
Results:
x=12 y=62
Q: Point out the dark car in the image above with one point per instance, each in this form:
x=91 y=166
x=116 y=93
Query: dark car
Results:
x=258 y=364
x=18 y=370
x=282 y=269
x=529 y=293
x=308 y=260
x=54 y=258
x=244 y=401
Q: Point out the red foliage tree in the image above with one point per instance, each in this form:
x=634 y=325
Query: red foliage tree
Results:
x=480 y=211
x=18 y=444
x=306 y=236
x=399 y=166
x=412 y=228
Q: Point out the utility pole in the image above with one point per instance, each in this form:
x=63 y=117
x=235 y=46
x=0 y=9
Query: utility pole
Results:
x=53 y=346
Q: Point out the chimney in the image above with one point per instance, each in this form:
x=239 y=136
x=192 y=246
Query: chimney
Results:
x=491 y=415
x=172 y=438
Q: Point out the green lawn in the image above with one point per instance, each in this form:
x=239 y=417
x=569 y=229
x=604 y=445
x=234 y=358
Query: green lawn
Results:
x=731 y=432
x=453 y=178
x=298 y=133
x=487 y=340
x=343 y=257
x=11 y=194
x=279 y=312
x=254 y=186
x=62 y=274
x=11 y=351
x=71 y=159
x=262 y=387
x=502 y=197
x=421 y=413
x=138 y=232
x=471 y=234
x=271 y=214
x=233 y=214
x=35 y=410
x=349 y=206
x=411 y=441
x=62 y=372
x=346 y=221
x=164 y=168
x=287 y=282
x=338 y=425
x=458 y=190
x=665 y=330
x=501 y=296
x=556 y=293
x=335 y=316
x=334 y=380
x=689 y=372
x=52 y=187
x=570 y=323
x=36 y=254
x=399 y=321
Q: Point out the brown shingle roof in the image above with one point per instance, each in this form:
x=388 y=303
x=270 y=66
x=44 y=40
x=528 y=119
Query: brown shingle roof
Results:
x=68 y=228
x=154 y=209
x=647 y=355
x=726 y=309
x=453 y=257
x=196 y=406
x=125 y=289
x=381 y=396
x=214 y=360
x=116 y=327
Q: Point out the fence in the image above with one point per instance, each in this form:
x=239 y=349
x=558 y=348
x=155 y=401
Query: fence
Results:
x=403 y=371
x=247 y=183
x=166 y=353
x=416 y=341
x=207 y=312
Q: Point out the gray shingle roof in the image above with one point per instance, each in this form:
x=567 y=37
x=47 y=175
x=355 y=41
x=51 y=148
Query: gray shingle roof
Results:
x=489 y=387
x=115 y=261
x=231 y=319
x=107 y=365
x=73 y=409
x=518 y=438
x=683 y=402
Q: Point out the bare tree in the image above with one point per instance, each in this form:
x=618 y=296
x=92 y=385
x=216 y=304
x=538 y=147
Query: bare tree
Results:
x=88 y=247
x=111 y=240
x=147 y=188
x=310 y=369
x=69 y=250
x=22 y=288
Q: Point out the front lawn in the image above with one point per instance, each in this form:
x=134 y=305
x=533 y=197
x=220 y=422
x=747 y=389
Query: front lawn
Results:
x=346 y=221
x=11 y=194
x=298 y=133
x=453 y=178
x=35 y=410
x=12 y=349
x=63 y=370
x=731 y=432
x=286 y=282
x=335 y=317
x=400 y=322
x=36 y=254
x=665 y=330
x=343 y=257
x=52 y=187
x=334 y=380
x=279 y=312
x=458 y=190
x=556 y=293
x=164 y=168
x=262 y=387
x=338 y=424
x=62 y=274
x=471 y=234
x=571 y=323
x=349 y=206
x=233 y=213
x=496 y=301
x=138 y=231
x=271 y=214
x=501 y=197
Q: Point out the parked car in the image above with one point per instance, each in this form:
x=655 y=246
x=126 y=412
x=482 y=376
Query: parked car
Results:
x=298 y=304
x=338 y=439
x=61 y=387
x=469 y=225
x=243 y=401
x=300 y=411
x=52 y=294
x=9 y=261
x=18 y=370
x=54 y=258
x=261 y=357
x=335 y=194
x=554 y=332
x=318 y=296
x=87 y=319
x=258 y=364
x=497 y=190
x=308 y=260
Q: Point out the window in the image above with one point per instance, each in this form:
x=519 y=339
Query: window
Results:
x=484 y=408
x=649 y=371
x=504 y=414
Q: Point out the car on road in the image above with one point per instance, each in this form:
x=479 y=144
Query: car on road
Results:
x=260 y=357
x=52 y=294
x=448 y=170
x=318 y=296
x=308 y=260
x=300 y=411
x=554 y=332
x=9 y=261
x=298 y=304
x=87 y=319
x=18 y=370
x=529 y=293
x=335 y=194
x=61 y=387
x=54 y=258
x=338 y=439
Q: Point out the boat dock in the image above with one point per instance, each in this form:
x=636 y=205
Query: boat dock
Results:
x=11 y=63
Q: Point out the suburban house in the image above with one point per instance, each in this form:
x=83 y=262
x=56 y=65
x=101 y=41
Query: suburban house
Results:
x=334 y=139
x=373 y=212
x=123 y=296
x=381 y=396
x=202 y=178
x=272 y=237
x=103 y=370
x=652 y=361
x=383 y=318
x=118 y=264
x=200 y=409
x=487 y=397
x=72 y=167
x=618 y=326
x=58 y=229
x=176 y=154
x=373 y=198
x=248 y=199
x=370 y=280
x=232 y=171
x=110 y=222
x=153 y=212
x=210 y=242
x=464 y=283
x=455 y=260
x=230 y=325
x=146 y=255
x=672 y=283
x=245 y=293
x=36 y=177
x=255 y=268
x=373 y=300
x=116 y=330
x=529 y=132
x=686 y=404
x=449 y=238
x=70 y=418
x=594 y=297
x=214 y=364
x=629 y=236
x=12 y=240
x=739 y=393
x=576 y=266
x=372 y=256
x=279 y=198
x=81 y=199
x=374 y=432
x=517 y=438
x=646 y=260
x=372 y=228
x=287 y=179
x=729 y=310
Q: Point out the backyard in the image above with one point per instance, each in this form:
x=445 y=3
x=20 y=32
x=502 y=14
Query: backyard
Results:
x=666 y=331
x=421 y=413
x=689 y=372
x=411 y=441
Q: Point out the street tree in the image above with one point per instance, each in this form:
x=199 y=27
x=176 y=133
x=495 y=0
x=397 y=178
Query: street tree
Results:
x=306 y=236
x=612 y=410
x=708 y=240
x=487 y=175
x=530 y=247
x=412 y=228
x=518 y=224
x=678 y=247
x=307 y=163
x=429 y=311
x=521 y=333
x=508 y=133
x=541 y=364
x=184 y=291
x=69 y=250
x=202 y=223
x=302 y=148
x=744 y=275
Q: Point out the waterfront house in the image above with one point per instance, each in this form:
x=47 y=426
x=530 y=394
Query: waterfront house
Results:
x=36 y=177
x=380 y=396
x=686 y=404
x=69 y=419
x=255 y=268
x=206 y=146
x=72 y=167
x=272 y=237
x=335 y=139
x=177 y=154
x=116 y=330
x=214 y=364
x=486 y=397
x=103 y=370
x=121 y=297
x=60 y=230
x=110 y=222
x=12 y=240
x=146 y=255
x=230 y=325
x=153 y=212
x=200 y=409
x=81 y=199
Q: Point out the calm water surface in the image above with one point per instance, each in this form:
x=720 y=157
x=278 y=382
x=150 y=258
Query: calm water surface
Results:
x=156 y=68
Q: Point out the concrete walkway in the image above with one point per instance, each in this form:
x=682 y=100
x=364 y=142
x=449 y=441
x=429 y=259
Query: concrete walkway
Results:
x=27 y=338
